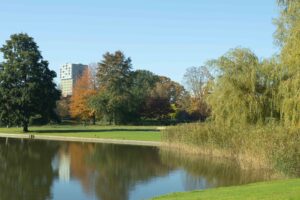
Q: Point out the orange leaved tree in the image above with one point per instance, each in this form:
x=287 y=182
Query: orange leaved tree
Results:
x=83 y=89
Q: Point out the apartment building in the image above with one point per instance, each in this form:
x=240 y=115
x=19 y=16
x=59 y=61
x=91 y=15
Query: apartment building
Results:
x=69 y=73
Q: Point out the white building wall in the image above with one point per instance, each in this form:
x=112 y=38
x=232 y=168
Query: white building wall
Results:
x=69 y=73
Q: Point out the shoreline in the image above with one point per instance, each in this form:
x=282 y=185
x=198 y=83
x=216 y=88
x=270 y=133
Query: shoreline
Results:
x=245 y=160
x=80 y=139
x=282 y=189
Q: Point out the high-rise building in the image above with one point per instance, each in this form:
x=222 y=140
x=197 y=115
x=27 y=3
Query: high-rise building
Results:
x=69 y=73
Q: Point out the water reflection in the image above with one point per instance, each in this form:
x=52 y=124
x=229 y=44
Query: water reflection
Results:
x=25 y=169
x=207 y=172
x=62 y=163
x=40 y=170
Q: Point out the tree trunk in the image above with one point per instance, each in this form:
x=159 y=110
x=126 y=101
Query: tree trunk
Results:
x=94 y=119
x=25 y=127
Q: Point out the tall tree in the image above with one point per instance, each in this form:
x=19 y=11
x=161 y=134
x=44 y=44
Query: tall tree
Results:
x=287 y=21
x=288 y=37
x=114 y=100
x=170 y=89
x=197 y=80
x=164 y=97
x=142 y=83
x=83 y=90
x=244 y=90
x=26 y=82
x=113 y=72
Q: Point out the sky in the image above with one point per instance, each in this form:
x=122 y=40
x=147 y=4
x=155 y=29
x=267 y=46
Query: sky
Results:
x=163 y=36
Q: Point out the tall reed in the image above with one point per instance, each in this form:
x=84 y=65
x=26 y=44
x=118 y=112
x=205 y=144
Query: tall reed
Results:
x=269 y=145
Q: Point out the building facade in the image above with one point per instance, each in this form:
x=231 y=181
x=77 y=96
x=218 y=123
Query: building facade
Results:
x=69 y=73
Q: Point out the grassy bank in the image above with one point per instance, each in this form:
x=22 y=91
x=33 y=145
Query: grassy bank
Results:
x=143 y=133
x=269 y=145
x=275 y=190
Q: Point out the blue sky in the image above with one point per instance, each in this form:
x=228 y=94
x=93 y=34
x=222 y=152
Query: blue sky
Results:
x=163 y=36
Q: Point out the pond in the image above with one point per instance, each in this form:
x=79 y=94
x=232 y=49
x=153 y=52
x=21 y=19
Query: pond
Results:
x=42 y=170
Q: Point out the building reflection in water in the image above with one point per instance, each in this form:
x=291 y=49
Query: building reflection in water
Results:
x=62 y=164
x=42 y=170
x=114 y=171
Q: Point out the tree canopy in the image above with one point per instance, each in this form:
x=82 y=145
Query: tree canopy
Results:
x=26 y=83
x=245 y=89
x=113 y=101
x=288 y=35
x=113 y=72
x=126 y=96
x=83 y=89
x=198 y=80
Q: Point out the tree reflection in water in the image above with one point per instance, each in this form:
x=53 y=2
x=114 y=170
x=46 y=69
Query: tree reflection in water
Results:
x=26 y=171
x=207 y=172
x=113 y=170
x=109 y=172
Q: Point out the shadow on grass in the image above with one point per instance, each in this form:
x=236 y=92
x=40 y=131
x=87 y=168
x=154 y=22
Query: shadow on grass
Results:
x=92 y=130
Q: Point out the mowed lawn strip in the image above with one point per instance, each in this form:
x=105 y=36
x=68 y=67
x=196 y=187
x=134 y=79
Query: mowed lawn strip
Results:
x=274 y=190
x=142 y=133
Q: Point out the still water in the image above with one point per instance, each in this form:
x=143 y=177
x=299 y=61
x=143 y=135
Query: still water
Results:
x=42 y=170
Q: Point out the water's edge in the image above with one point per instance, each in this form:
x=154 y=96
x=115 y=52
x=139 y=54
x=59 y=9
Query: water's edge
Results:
x=80 y=139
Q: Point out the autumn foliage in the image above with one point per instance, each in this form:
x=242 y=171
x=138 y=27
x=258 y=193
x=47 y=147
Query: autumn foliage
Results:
x=83 y=89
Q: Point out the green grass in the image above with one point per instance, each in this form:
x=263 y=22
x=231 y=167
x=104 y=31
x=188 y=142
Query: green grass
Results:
x=275 y=190
x=143 y=133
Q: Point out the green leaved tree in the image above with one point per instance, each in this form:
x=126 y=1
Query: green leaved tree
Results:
x=114 y=100
x=142 y=83
x=245 y=90
x=288 y=37
x=26 y=83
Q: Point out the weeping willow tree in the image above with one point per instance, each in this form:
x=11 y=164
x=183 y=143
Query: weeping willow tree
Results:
x=245 y=90
x=233 y=98
x=270 y=75
x=252 y=91
x=288 y=37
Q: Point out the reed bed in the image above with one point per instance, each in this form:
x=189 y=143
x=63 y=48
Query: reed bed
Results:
x=268 y=146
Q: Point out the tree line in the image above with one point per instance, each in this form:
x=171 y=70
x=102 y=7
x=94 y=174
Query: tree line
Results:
x=112 y=92
x=237 y=88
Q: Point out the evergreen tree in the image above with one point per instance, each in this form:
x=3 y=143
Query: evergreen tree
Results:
x=26 y=83
x=113 y=72
x=114 y=100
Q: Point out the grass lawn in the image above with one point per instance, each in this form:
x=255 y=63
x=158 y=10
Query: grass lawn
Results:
x=275 y=190
x=144 y=133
